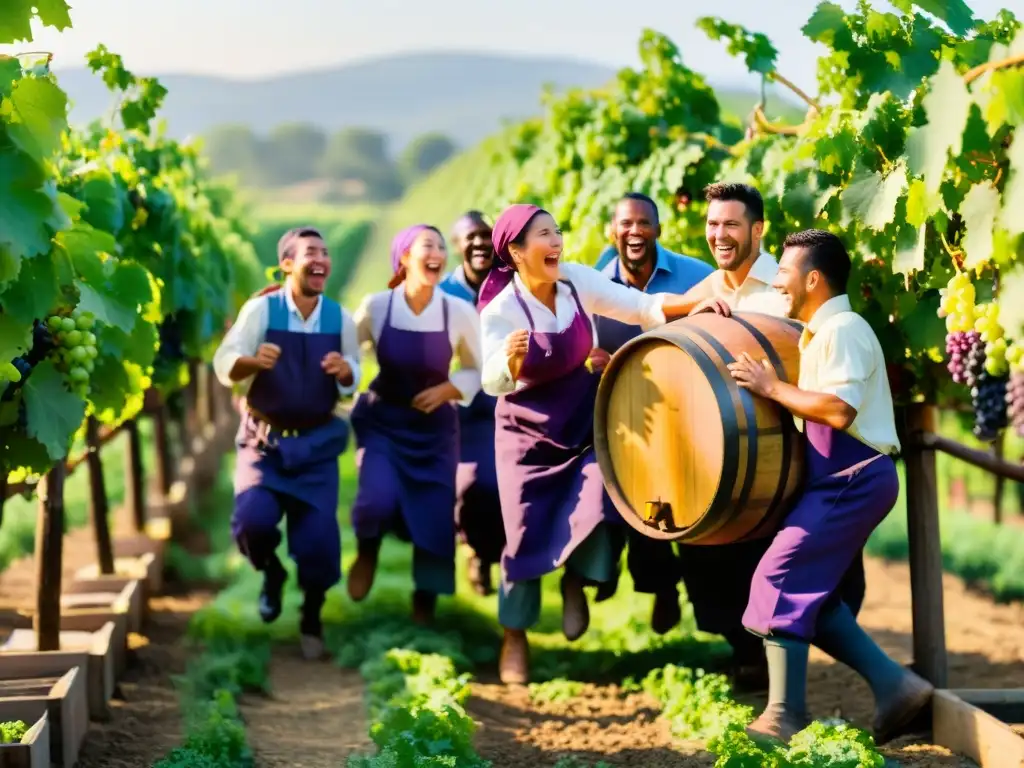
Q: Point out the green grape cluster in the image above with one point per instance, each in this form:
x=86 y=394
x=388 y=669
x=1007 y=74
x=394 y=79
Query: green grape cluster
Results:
x=75 y=350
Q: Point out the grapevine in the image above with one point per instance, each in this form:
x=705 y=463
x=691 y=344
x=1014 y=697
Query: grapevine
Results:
x=107 y=234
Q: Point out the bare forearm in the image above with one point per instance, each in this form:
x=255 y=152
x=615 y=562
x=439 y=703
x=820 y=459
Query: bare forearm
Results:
x=813 y=406
x=243 y=368
x=681 y=305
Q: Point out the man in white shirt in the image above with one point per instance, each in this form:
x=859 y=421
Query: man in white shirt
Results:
x=717 y=578
x=843 y=404
x=295 y=351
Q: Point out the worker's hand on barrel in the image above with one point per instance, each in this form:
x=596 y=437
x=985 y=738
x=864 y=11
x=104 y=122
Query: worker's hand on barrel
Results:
x=266 y=356
x=758 y=377
x=597 y=360
x=718 y=306
x=516 y=345
x=334 y=365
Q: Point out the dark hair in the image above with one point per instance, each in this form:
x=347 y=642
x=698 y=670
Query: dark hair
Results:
x=640 y=197
x=292 y=238
x=744 y=193
x=399 y=277
x=824 y=252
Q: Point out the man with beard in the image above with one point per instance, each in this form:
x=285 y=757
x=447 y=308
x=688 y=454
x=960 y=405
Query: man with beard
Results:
x=477 y=507
x=642 y=263
x=296 y=352
x=718 y=578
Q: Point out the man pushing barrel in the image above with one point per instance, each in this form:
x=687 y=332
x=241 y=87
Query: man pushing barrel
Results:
x=844 y=406
x=640 y=262
x=298 y=353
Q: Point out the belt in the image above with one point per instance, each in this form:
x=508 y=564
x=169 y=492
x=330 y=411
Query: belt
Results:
x=288 y=428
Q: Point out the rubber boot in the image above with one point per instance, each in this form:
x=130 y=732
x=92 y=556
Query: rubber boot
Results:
x=310 y=625
x=274 y=577
x=900 y=695
x=363 y=570
x=575 y=610
x=666 y=612
x=786 y=713
x=514 y=661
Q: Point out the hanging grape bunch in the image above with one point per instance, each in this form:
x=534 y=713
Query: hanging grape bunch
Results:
x=988 y=392
x=1015 y=388
x=75 y=349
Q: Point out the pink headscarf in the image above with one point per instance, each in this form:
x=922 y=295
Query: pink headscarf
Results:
x=402 y=242
x=506 y=229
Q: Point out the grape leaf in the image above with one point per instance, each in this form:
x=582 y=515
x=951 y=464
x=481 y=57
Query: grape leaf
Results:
x=24 y=208
x=955 y=13
x=979 y=210
x=54 y=414
x=923 y=327
x=83 y=244
x=909 y=255
x=15 y=21
x=10 y=70
x=1013 y=192
x=947 y=107
x=15 y=336
x=35 y=292
x=104 y=209
x=53 y=13
x=105 y=307
x=872 y=197
x=917 y=203
x=37 y=112
x=825 y=23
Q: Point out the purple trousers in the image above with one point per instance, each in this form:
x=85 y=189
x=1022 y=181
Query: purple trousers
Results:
x=815 y=546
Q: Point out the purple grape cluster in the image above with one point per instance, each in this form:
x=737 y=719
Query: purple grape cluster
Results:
x=988 y=396
x=1015 y=401
x=963 y=349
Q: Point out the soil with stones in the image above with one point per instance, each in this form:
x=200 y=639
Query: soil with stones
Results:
x=986 y=650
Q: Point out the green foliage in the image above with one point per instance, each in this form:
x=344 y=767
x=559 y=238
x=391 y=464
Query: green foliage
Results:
x=558 y=689
x=117 y=230
x=12 y=732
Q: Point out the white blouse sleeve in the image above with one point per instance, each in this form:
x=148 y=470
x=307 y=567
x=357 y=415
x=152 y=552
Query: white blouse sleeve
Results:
x=363 y=319
x=242 y=339
x=602 y=296
x=350 y=352
x=494 y=329
x=466 y=350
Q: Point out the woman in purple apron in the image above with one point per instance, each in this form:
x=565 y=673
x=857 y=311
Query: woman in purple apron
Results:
x=477 y=506
x=406 y=426
x=289 y=439
x=845 y=406
x=539 y=353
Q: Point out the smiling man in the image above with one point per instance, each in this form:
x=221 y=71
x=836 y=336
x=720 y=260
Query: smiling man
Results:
x=296 y=353
x=640 y=262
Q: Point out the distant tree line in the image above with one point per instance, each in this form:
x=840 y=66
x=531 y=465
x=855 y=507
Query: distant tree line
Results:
x=357 y=161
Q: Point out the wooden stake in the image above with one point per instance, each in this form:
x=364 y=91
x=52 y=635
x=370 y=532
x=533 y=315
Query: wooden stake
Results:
x=997 y=497
x=134 y=473
x=99 y=505
x=49 y=558
x=164 y=469
x=925 y=549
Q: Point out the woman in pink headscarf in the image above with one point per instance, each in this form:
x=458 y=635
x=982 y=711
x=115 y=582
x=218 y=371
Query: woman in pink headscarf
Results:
x=406 y=425
x=541 y=361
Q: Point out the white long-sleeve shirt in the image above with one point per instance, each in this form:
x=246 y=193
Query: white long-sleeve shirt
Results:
x=463 y=330
x=250 y=330
x=598 y=296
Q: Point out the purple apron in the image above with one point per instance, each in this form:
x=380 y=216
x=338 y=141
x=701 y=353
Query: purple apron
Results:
x=478 y=505
x=296 y=476
x=407 y=459
x=552 y=496
x=850 y=488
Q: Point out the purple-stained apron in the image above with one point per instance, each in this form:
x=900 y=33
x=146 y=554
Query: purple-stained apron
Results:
x=407 y=459
x=850 y=488
x=293 y=476
x=552 y=495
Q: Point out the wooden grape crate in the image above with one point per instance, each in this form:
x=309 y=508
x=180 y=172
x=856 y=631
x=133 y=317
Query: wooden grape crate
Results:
x=67 y=706
x=977 y=723
x=106 y=594
x=33 y=751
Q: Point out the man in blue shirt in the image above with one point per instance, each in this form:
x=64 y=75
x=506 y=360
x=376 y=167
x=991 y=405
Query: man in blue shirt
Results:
x=639 y=261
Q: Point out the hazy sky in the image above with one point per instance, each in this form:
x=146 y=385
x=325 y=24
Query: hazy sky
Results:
x=252 y=38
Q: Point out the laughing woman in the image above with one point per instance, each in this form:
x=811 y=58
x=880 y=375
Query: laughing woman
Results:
x=541 y=361
x=406 y=425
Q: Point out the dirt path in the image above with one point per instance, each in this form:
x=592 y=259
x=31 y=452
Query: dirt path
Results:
x=315 y=716
x=985 y=642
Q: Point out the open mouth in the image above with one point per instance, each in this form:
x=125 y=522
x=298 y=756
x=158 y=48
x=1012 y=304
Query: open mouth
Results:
x=479 y=253
x=725 y=251
x=434 y=267
x=636 y=247
x=551 y=260
x=316 y=272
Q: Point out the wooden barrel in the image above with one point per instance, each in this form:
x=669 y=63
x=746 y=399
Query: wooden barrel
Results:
x=686 y=453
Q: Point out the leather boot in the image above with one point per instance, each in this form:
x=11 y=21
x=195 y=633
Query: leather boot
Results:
x=575 y=610
x=310 y=626
x=666 y=612
x=274 y=577
x=514 y=661
x=362 y=572
x=423 y=605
